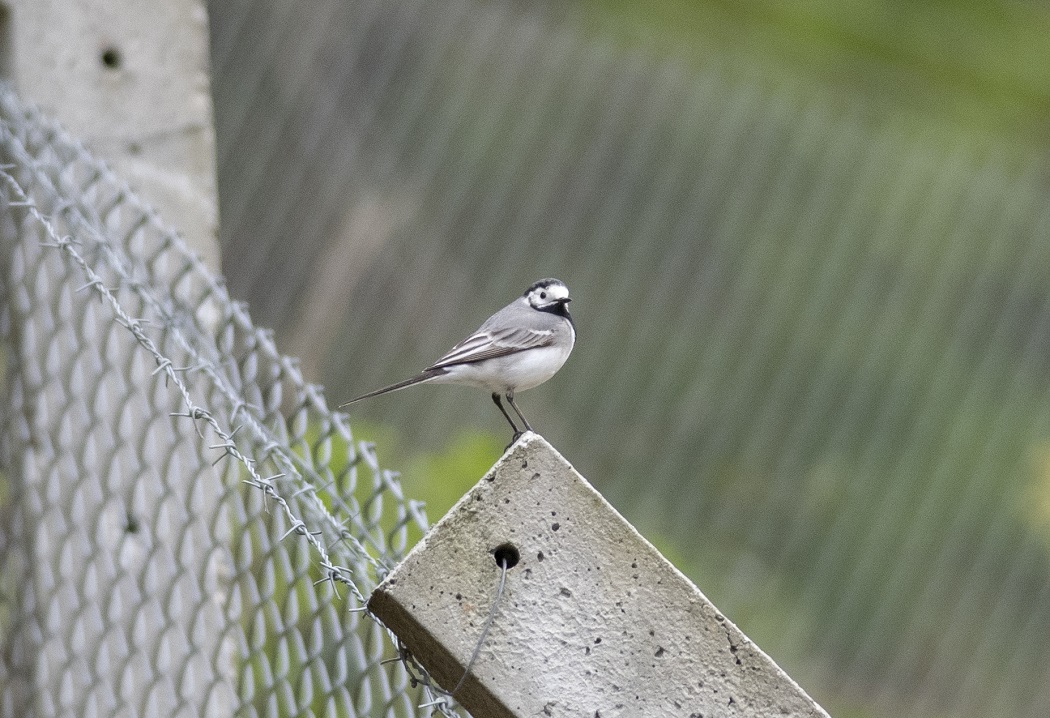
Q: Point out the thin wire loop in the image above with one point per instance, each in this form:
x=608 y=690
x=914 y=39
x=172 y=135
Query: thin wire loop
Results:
x=485 y=628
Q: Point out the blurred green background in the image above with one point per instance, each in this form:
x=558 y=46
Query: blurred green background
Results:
x=809 y=245
x=980 y=68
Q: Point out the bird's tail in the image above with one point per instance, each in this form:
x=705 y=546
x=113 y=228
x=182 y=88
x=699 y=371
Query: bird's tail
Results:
x=417 y=379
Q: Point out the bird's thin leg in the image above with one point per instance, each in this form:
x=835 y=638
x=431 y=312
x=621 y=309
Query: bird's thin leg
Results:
x=495 y=398
x=510 y=398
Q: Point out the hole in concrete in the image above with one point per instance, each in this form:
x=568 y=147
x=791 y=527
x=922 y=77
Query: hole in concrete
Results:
x=506 y=554
x=111 y=58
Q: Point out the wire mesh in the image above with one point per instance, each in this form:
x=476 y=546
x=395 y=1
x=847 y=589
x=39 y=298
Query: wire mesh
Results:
x=812 y=339
x=186 y=528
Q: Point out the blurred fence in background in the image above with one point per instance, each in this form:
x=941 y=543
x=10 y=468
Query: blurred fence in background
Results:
x=185 y=528
x=813 y=347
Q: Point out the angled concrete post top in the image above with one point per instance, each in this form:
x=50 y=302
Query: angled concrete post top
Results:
x=593 y=621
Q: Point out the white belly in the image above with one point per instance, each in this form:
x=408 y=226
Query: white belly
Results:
x=516 y=372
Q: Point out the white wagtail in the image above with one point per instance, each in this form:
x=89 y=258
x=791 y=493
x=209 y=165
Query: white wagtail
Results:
x=519 y=347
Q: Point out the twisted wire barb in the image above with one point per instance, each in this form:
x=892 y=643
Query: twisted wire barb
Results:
x=288 y=461
x=194 y=411
x=292 y=464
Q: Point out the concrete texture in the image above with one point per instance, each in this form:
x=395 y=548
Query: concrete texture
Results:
x=593 y=622
x=130 y=79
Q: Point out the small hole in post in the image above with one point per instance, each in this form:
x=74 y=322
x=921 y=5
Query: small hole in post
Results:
x=111 y=58
x=506 y=554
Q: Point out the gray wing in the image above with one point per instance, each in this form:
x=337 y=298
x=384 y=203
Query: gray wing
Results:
x=489 y=343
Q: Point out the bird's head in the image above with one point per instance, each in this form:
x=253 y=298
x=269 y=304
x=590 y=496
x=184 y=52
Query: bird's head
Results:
x=548 y=295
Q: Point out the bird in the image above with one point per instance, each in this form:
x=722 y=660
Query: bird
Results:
x=517 y=348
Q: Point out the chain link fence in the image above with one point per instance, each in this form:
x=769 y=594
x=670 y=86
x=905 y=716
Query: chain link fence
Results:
x=185 y=527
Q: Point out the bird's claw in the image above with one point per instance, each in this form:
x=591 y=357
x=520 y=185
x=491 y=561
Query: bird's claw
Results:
x=514 y=439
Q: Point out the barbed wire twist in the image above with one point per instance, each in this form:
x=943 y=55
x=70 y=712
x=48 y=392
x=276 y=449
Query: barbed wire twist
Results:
x=295 y=470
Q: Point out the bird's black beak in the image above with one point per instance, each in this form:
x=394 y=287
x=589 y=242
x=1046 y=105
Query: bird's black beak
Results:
x=566 y=300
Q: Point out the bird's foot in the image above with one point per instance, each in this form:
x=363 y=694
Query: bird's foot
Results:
x=514 y=439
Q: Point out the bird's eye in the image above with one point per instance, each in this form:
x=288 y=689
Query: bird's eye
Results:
x=543 y=295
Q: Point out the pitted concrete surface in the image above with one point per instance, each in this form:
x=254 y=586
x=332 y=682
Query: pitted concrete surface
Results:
x=131 y=80
x=593 y=620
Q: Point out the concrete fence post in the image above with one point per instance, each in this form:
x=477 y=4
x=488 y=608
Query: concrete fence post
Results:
x=593 y=620
x=131 y=80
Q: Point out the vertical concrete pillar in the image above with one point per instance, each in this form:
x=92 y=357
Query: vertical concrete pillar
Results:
x=130 y=78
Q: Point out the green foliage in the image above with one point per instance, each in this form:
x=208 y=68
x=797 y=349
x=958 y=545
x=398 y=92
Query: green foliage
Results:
x=982 y=65
x=438 y=478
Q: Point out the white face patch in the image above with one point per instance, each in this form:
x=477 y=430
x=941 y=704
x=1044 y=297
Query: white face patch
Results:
x=548 y=295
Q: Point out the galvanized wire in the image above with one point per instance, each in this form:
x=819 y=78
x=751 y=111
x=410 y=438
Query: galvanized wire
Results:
x=187 y=528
